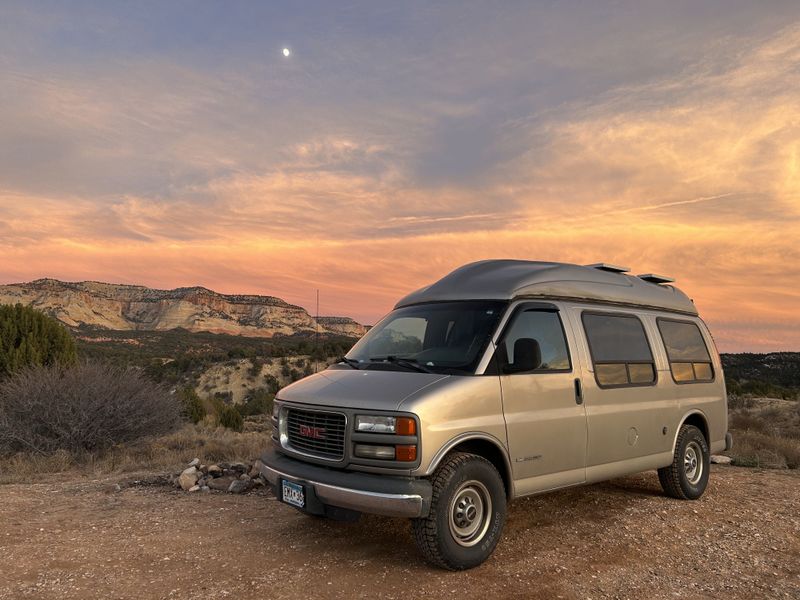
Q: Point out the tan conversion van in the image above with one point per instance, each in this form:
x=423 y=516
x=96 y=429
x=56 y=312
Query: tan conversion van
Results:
x=503 y=379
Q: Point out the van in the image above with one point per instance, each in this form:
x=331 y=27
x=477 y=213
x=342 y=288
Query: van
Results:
x=503 y=379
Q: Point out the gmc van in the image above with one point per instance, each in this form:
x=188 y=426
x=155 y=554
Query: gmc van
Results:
x=503 y=379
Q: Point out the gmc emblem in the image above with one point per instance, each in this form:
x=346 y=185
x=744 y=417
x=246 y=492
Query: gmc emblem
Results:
x=317 y=433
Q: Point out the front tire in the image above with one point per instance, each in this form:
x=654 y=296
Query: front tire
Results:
x=468 y=511
x=687 y=477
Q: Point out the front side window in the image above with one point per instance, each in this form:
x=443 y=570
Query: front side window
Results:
x=688 y=355
x=441 y=337
x=620 y=352
x=534 y=342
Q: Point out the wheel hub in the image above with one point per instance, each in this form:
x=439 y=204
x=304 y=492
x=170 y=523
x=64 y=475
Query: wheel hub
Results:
x=466 y=511
x=693 y=463
x=470 y=513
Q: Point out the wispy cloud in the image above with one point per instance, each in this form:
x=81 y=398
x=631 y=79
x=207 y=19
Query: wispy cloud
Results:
x=671 y=204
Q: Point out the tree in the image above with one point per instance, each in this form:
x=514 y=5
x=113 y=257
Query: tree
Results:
x=28 y=338
x=192 y=405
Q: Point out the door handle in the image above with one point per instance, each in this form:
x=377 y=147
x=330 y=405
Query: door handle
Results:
x=578 y=391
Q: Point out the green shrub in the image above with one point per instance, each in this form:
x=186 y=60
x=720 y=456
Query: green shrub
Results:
x=193 y=408
x=256 y=365
x=230 y=417
x=760 y=389
x=29 y=338
x=272 y=384
x=258 y=402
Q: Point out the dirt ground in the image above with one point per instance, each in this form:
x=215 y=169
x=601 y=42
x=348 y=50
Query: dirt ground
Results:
x=622 y=539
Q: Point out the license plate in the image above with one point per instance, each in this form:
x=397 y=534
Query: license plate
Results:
x=293 y=493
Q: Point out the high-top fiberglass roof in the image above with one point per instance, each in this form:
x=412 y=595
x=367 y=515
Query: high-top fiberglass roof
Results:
x=515 y=279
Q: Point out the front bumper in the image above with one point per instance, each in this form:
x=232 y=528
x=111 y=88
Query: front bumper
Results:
x=387 y=495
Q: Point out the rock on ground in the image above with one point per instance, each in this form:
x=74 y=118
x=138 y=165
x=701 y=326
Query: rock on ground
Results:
x=235 y=478
x=239 y=486
x=188 y=478
x=221 y=483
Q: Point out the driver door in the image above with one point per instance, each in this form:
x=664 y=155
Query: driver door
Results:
x=543 y=408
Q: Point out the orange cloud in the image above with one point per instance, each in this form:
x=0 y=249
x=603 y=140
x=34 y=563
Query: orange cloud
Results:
x=697 y=177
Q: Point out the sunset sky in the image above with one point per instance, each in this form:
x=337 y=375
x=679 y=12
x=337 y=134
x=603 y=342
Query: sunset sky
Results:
x=173 y=144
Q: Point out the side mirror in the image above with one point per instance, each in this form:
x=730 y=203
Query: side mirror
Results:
x=527 y=356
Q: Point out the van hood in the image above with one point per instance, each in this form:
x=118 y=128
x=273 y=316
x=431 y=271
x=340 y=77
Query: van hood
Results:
x=350 y=388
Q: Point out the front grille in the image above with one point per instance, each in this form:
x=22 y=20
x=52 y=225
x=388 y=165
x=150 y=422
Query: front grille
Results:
x=316 y=433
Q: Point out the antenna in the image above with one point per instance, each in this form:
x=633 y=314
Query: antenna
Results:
x=316 y=337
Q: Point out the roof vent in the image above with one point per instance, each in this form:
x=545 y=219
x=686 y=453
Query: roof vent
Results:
x=609 y=268
x=653 y=278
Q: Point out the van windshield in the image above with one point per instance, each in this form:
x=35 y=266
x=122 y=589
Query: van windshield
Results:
x=442 y=337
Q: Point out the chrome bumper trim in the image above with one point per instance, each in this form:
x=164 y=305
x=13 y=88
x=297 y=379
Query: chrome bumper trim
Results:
x=390 y=505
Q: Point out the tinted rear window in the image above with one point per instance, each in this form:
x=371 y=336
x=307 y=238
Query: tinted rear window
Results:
x=620 y=351
x=683 y=341
x=687 y=352
x=616 y=338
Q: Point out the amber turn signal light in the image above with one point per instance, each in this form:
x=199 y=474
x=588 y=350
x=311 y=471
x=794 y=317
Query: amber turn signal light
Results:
x=405 y=426
x=405 y=453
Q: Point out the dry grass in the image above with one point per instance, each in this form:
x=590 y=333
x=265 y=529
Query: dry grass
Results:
x=166 y=453
x=766 y=434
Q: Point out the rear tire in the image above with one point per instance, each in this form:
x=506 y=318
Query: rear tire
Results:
x=468 y=511
x=687 y=477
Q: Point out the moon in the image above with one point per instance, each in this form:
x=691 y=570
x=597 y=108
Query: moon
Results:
x=286 y=52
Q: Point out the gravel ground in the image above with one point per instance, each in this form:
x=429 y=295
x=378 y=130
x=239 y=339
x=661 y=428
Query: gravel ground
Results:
x=621 y=539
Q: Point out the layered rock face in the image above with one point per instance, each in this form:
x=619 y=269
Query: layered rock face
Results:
x=138 y=308
x=342 y=325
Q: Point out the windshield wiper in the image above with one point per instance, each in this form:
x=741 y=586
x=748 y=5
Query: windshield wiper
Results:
x=409 y=363
x=350 y=362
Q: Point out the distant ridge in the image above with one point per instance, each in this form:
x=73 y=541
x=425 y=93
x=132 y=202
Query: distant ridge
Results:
x=122 y=307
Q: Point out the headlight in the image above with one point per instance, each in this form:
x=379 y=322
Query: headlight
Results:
x=276 y=409
x=384 y=424
x=375 y=424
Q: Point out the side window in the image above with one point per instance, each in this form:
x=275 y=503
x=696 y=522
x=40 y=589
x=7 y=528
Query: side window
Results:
x=535 y=342
x=619 y=349
x=688 y=355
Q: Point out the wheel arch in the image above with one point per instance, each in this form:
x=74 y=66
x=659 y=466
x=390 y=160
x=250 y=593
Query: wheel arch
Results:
x=698 y=419
x=483 y=445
